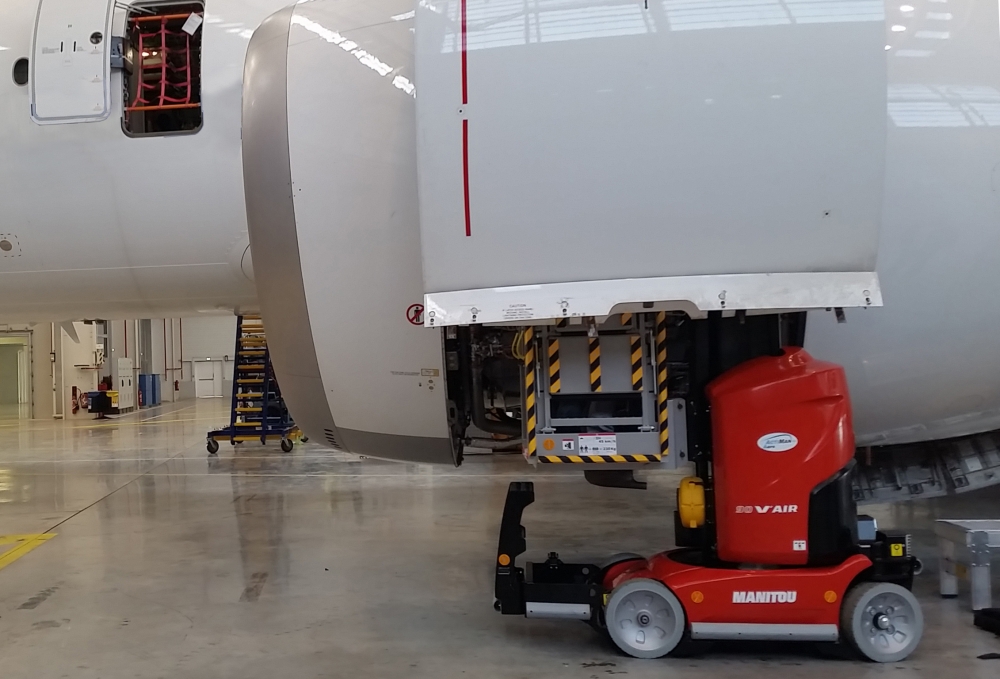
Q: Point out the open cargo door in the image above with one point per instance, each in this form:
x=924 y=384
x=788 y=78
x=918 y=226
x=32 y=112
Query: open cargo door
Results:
x=70 y=64
x=571 y=161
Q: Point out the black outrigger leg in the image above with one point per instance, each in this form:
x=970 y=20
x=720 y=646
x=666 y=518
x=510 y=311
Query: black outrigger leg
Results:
x=552 y=589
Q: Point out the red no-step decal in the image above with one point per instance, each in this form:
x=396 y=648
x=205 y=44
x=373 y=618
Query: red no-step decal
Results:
x=415 y=314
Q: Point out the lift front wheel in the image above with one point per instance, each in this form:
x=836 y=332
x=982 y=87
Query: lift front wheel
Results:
x=213 y=446
x=286 y=445
x=883 y=621
x=644 y=618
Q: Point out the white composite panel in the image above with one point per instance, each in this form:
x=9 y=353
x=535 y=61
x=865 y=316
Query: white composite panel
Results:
x=610 y=141
x=70 y=65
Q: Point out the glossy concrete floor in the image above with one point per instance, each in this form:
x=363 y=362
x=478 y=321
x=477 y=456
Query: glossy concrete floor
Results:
x=317 y=564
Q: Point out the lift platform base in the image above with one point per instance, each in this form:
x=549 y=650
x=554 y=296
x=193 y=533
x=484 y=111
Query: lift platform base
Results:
x=648 y=606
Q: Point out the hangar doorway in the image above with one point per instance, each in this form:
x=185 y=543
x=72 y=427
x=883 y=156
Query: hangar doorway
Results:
x=15 y=376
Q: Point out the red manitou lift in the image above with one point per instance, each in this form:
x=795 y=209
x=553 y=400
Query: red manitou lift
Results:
x=770 y=545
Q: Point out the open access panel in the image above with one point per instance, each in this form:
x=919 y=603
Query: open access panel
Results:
x=574 y=168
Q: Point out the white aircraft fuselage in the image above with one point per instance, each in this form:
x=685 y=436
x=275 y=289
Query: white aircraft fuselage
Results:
x=104 y=225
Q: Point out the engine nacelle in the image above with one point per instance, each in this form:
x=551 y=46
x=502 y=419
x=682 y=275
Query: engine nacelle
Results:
x=334 y=219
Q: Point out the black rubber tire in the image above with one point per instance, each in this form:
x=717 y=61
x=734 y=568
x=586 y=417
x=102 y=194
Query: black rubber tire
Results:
x=287 y=445
x=212 y=446
x=304 y=439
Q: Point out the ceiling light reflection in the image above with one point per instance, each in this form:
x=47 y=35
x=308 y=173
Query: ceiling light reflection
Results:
x=505 y=23
x=352 y=48
x=944 y=106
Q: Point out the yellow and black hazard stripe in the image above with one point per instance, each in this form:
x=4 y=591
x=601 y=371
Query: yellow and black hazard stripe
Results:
x=530 y=407
x=562 y=322
x=661 y=380
x=596 y=459
x=635 y=342
x=626 y=318
x=594 y=344
x=554 y=382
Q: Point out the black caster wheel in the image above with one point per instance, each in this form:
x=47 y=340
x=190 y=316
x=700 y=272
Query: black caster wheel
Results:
x=305 y=439
x=286 y=445
x=213 y=446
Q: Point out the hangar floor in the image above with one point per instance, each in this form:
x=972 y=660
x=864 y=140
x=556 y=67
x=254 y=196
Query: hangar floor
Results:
x=317 y=564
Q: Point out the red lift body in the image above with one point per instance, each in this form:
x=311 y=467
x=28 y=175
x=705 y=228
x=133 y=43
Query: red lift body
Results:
x=780 y=427
x=802 y=596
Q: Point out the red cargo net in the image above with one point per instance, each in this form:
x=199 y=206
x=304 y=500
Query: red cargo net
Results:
x=164 y=64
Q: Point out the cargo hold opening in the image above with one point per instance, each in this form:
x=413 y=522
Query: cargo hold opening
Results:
x=162 y=74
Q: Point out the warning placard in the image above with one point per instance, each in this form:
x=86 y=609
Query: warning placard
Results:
x=415 y=314
x=598 y=444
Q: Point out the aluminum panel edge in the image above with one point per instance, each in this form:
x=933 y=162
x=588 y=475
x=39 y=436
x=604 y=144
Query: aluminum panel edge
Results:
x=271 y=226
x=777 y=292
x=763 y=631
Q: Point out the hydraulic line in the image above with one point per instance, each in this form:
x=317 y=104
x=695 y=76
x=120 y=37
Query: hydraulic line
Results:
x=507 y=426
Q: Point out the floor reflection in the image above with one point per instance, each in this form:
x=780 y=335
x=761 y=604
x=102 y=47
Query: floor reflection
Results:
x=259 y=503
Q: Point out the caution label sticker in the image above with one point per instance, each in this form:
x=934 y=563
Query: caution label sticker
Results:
x=598 y=444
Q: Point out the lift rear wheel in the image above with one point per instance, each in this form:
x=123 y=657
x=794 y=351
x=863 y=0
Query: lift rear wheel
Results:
x=212 y=445
x=883 y=621
x=644 y=618
x=286 y=445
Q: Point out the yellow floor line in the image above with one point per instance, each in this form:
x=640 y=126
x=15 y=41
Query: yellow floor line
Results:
x=25 y=543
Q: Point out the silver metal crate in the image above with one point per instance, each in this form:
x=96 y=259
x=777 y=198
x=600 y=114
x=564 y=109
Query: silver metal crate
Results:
x=968 y=545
